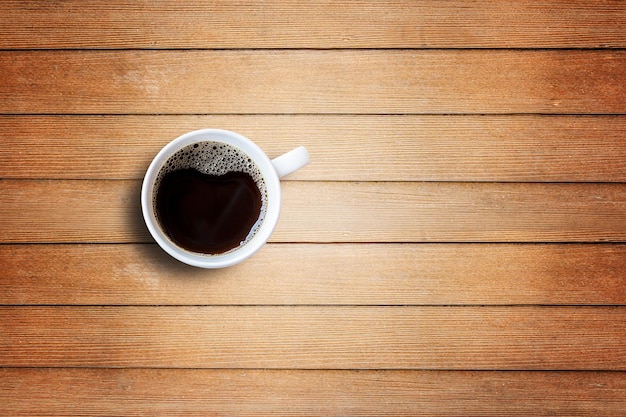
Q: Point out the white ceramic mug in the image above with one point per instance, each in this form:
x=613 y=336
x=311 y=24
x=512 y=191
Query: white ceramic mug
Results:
x=271 y=172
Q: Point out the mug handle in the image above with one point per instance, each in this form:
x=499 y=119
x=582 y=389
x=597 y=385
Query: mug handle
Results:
x=291 y=161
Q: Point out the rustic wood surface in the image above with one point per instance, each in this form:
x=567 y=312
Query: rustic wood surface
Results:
x=328 y=274
x=457 y=246
x=531 y=148
x=316 y=337
x=185 y=24
x=66 y=211
x=314 y=81
x=138 y=392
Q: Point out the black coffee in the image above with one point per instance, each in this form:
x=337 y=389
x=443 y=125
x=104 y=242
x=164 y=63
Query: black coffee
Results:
x=208 y=213
x=210 y=198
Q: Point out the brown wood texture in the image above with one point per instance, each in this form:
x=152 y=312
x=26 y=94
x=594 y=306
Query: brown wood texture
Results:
x=137 y=392
x=456 y=247
x=344 y=148
x=316 y=337
x=68 y=211
x=313 y=24
x=313 y=81
x=326 y=274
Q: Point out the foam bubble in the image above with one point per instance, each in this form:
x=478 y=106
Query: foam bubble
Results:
x=215 y=158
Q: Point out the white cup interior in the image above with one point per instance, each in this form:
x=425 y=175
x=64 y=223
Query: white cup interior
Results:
x=270 y=177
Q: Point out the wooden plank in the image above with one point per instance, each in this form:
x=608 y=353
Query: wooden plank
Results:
x=71 y=211
x=314 y=274
x=66 y=211
x=313 y=81
x=311 y=337
x=345 y=148
x=453 y=212
x=313 y=24
x=140 y=392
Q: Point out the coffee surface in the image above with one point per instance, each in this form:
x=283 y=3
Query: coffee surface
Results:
x=208 y=213
x=209 y=198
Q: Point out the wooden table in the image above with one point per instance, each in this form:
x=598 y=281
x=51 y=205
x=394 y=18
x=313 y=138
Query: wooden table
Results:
x=456 y=246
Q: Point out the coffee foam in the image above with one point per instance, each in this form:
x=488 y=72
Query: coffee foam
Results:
x=215 y=158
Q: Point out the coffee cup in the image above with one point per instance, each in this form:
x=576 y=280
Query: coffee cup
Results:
x=211 y=198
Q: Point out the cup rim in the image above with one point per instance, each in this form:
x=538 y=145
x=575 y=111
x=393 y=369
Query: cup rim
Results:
x=272 y=183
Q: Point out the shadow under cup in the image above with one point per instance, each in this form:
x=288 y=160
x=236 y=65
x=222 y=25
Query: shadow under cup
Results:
x=211 y=186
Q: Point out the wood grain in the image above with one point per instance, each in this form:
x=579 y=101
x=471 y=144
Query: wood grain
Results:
x=140 y=392
x=318 y=274
x=456 y=248
x=313 y=81
x=313 y=24
x=344 y=148
x=67 y=211
x=312 y=337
